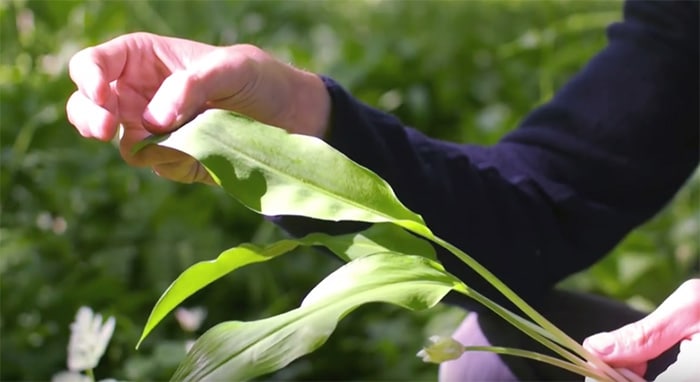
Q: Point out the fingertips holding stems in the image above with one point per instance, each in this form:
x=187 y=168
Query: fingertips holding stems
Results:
x=633 y=345
x=602 y=344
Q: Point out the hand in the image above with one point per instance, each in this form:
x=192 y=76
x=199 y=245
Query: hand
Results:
x=632 y=346
x=153 y=84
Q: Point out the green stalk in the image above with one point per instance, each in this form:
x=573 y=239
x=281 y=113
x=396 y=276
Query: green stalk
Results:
x=586 y=372
x=559 y=336
x=532 y=330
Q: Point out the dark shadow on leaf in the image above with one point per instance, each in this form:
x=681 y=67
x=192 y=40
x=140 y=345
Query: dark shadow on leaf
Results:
x=248 y=190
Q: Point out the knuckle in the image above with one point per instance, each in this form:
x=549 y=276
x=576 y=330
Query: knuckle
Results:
x=248 y=50
x=138 y=35
x=190 y=82
x=644 y=335
x=637 y=337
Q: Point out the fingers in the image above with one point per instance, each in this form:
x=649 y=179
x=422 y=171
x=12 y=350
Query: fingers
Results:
x=94 y=108
x=677 y=318
x=93 y=69
x=181 y=96
x=217 y=77
x=166 y=162
x=91 y=120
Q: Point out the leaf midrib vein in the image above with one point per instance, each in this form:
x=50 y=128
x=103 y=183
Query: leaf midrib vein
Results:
x=315 y=308
x=314 y=185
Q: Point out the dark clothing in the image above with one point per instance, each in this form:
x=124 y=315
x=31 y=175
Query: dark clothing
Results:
x=556 y=194
x=581 y=171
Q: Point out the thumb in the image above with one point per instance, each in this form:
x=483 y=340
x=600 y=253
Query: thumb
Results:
x=218 y=79
x=675 y=319
x=179 y=98
x=634 y=343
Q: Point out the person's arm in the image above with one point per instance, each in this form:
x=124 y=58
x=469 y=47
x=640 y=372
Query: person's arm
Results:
x=555 y=195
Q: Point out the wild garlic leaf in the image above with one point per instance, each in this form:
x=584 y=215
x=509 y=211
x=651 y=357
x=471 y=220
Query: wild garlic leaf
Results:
x=377 y=238
x=243 y=350
x=274 y=172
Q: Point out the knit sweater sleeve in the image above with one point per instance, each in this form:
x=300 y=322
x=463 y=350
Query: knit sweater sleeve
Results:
x=561 y=190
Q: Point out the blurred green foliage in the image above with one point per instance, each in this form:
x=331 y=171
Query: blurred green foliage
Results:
x=81 y=228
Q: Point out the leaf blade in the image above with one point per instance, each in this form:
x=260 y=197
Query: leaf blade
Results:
x=381 y=237
x=204 y=273
x=243 y=350
x=268 y=170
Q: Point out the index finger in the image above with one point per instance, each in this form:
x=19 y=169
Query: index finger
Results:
x=92 y=69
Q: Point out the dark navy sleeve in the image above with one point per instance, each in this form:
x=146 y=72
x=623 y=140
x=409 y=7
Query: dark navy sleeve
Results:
x=560 y=191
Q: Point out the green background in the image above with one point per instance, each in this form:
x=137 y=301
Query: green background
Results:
x=79 y=227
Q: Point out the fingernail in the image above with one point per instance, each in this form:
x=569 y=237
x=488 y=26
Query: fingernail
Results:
x=603 y=343
x=160 y=119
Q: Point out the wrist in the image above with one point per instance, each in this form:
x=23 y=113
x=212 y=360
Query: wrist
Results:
x=311 y=105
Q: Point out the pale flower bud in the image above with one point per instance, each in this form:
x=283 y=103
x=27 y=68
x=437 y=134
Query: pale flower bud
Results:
x=441 y=349
x=190 y=319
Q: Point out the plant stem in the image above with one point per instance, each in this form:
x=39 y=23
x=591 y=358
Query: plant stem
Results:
x=584 y=371
x=90 y=373
x=532 y=330
x=557 y=333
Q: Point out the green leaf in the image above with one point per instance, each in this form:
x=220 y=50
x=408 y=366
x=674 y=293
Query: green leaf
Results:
x=244 y=350
x=277 y=173
x=274 y=172
x=380 y=237
x=150 y=140
x=377 y=238
x=204 y=273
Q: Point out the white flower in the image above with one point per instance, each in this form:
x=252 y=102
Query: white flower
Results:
x=190 y=319
x=74 y=376
x=70 y=376
x=441 y=349
x=88 y=339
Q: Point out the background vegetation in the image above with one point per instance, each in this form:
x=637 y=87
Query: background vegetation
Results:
x=79 y=227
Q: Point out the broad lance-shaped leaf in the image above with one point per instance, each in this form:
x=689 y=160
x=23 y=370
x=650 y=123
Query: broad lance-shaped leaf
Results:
x=383 y=237
x=277 y=173
x=234 y=351
x=204 y=273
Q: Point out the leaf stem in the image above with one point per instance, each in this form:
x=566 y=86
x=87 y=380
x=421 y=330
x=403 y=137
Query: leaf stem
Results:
x=532 y=330
x=557 y=333
x=581 y=370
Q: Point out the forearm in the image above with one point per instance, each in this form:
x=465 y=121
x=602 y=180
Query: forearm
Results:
x=310 y=113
